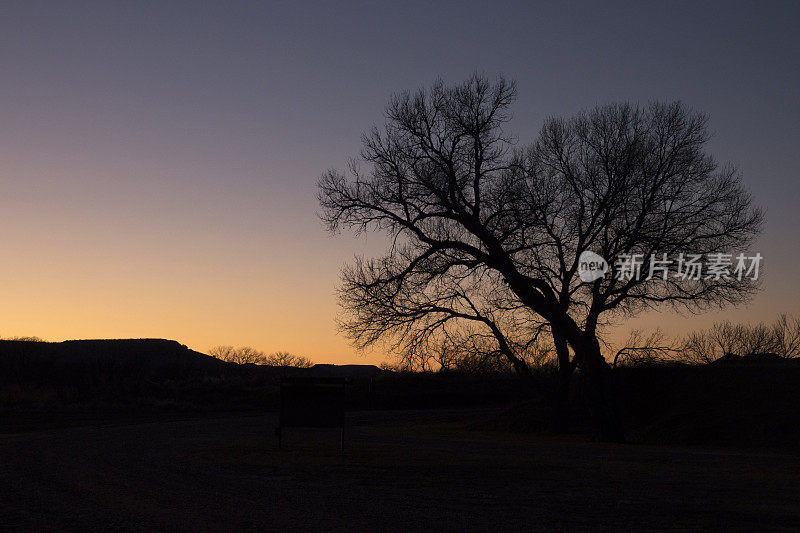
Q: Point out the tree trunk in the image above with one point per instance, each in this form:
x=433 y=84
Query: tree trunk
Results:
x=599 y=390
x=522 y=369
x=560 y=422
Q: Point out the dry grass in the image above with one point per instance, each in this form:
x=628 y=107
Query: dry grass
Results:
x=400 y=470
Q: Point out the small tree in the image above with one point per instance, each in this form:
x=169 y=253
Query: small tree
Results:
x=786 y=332
x=241 y=356
x=285 y=359
x=782 y=338
x=641 y=348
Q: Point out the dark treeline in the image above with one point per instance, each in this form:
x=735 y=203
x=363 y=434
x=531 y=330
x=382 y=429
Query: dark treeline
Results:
x=745 y=401
x=722 y=341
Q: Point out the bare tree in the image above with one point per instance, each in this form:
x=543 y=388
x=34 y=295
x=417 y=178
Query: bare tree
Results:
x=247 y=355
x=421 y=311
x=759 y=339
x=446 y=183
x=446 y=355
x=242 y=355
x=782 y=338
x=786 y=334
x=469 y=348
x=641 y=348
x=286 y=359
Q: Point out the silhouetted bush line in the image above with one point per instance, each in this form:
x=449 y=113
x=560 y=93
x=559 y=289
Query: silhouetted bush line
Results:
x=747 y=403
x=735 y=401
x=246 y=355
x=779 y=339
x=155 y=375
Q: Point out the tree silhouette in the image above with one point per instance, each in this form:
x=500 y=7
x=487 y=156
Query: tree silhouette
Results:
x=434 y=305
x=242 y=355
x=782 y=338
x=286 y=359
x=446 y=183
x=247 y=355
x=641 y=348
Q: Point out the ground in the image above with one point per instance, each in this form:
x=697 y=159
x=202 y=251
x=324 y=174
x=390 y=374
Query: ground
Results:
x=400 y=470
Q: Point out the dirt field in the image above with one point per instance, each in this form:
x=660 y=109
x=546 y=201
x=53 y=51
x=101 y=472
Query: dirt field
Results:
x=400 y=470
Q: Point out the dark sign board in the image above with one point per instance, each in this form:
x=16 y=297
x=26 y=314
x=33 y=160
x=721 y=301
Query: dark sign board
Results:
x=312 y=402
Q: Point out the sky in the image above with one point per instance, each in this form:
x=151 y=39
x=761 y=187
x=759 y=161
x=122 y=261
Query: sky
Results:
x=159 y=160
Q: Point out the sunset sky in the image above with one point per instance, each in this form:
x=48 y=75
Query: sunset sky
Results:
x=158 y=160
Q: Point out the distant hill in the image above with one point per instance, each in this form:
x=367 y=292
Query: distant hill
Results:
x=139 y=375
x=25 y=361
x=754 y=359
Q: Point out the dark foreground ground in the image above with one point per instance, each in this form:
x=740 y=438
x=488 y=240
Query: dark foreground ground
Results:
x=418 y=470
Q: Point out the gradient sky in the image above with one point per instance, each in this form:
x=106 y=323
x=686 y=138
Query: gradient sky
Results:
x=158 y=160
